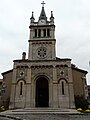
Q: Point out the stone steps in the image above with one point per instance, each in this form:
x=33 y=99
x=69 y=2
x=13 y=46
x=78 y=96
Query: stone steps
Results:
x=41 y=111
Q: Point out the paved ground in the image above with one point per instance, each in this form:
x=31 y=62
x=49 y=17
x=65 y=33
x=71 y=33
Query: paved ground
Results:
x=49 y=117
x=4 y=118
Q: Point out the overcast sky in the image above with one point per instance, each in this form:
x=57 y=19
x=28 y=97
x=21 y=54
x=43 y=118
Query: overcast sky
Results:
x=72 y=20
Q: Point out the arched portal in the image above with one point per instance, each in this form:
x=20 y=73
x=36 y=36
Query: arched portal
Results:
x=42 y=92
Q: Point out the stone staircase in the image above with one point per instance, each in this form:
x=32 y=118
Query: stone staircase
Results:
x=40 y=111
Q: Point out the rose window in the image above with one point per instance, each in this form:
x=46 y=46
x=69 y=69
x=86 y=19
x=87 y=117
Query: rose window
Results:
x=42 y=52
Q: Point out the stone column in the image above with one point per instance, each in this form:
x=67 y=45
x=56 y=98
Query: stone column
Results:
x=53 y=50
x=52 y=32
x=55 y=97
x=28 y=89
x=33 y=95
x=42 y=34
x=54 y=73
x=31 y=34
x=55 y=88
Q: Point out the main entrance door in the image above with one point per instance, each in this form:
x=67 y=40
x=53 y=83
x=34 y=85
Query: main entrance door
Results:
x=42 y=92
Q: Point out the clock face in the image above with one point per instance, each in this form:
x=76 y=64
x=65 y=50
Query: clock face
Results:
x=42 y=22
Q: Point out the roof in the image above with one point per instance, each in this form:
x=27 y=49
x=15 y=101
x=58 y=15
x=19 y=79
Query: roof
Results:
x=57 y=59
x=78 y=69
x=60 y=59
x=7 y=71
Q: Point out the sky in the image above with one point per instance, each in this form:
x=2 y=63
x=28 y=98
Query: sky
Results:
x=72 y=32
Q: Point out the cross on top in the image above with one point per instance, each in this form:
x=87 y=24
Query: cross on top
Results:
x=43 y=3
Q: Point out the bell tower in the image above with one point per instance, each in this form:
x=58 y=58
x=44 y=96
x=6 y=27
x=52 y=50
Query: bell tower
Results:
x=42 y=37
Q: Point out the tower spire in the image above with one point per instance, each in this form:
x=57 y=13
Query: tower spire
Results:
x=52 y=18
x=32 y=18
x=43 y=15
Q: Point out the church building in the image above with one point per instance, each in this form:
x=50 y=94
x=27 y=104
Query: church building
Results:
x=43 y=80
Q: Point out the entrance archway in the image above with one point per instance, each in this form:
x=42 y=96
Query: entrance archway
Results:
x=42 y=92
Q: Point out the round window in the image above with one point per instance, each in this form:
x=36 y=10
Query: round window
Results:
x=42 y=52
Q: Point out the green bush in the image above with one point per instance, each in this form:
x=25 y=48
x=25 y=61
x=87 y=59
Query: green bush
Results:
x=81 y=102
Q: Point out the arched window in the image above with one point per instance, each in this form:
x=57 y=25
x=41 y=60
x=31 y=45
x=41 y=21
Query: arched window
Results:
x=48 y=32
x=44 y=32
x=39 y=33
x=62 y=85
x=35 y=32
x=21 y=88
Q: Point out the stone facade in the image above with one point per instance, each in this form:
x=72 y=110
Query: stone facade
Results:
x=42 y=80
x=56 y=72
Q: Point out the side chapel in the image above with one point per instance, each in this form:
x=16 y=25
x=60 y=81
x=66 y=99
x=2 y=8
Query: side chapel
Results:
x=43 y=80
